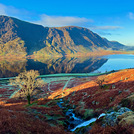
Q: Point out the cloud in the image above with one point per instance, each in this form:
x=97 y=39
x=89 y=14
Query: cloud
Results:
x=8 y=10
x=56 y=21
x=105 y=27
x=104 y=33
x=45 y=20
x=105 y=30
x=2 y=9
x=14 y=12
x=131 y=15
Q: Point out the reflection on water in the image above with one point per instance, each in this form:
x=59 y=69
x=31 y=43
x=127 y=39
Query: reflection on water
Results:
x=11 y=68
x=67 y=65
x=51 y=65
x=71 y=65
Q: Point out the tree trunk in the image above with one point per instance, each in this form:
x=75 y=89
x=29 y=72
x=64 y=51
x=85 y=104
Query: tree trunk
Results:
x=28 y=99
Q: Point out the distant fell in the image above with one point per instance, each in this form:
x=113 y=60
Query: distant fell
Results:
x=115 y=45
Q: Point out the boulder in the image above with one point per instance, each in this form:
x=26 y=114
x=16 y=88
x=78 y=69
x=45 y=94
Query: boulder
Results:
x=112 y=117
x=128 y=102
x=126 y=119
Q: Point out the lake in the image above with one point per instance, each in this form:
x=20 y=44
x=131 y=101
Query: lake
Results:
x=67 y=65
x=117 y=62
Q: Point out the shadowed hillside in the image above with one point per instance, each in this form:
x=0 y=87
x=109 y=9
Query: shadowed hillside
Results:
x=33 y=35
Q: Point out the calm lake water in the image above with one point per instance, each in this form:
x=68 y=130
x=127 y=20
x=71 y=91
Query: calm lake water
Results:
x=117 y=62
x=67 y=65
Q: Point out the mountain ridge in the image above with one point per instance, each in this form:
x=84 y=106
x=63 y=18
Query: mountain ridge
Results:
x=115 y=44
x=39 y=40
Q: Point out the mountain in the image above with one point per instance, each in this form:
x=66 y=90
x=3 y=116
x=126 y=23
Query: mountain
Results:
x=115 y=45
x=19 y=36
x=32 y=35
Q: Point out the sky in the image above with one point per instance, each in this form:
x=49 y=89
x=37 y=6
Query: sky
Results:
x=112 y=19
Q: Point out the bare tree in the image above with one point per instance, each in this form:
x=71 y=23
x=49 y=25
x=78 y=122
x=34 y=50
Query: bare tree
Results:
x=27 y=81
x=100 y=80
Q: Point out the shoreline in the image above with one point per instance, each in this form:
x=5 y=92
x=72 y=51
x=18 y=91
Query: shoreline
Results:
x=67 y=75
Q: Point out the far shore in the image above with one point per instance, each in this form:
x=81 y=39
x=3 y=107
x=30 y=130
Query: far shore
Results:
x=65 y=75
x=91 y=54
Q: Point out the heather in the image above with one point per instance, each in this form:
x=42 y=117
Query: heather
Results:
x=48 y=110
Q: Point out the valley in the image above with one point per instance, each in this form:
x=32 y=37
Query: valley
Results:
x=86 y=81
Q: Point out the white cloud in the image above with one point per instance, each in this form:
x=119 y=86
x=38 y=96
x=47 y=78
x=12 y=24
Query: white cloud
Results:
x=131 y=15
x=56 y=21
x=14 y=12
x=45 y=20
x=2 y=9
x=105 y=27
x=8 y=10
